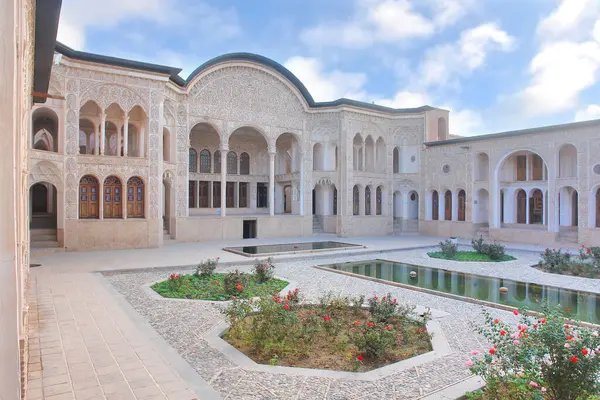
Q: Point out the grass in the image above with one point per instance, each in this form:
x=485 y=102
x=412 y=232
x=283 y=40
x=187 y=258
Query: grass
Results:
x=211 y=288
x=333 y=350
x=469 y=256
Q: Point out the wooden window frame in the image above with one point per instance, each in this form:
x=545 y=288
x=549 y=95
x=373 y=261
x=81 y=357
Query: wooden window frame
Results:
x=112 y=198
x=89 y=208
x=136 y=198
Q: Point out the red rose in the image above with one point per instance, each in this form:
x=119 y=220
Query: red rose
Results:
x=492 y=351
x=515 y=312
x=502 y=332
x=360 y=358
x=387 y=328
x=574 y=360
x=584 y=352
x=326 y=318
x=286 y=307
x=239 y=287
x=496 y=321
x=370 y=324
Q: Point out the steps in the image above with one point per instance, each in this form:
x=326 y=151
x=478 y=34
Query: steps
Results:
x=43 y=238
x=166 y=235
x=406 y=227
x=567 y=236
x=317 y=225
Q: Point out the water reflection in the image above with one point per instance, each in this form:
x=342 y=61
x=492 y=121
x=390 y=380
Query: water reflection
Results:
x=290 y=247
x=580 y=305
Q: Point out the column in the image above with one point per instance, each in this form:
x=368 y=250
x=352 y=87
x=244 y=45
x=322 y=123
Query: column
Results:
x=119 y=142
x=364 y=156
x=142 y=150
x=236 y=194
x=224 y=152
x=271 y=183
x=405 y=205
x=87 y=142
x=527 y=216
x=197 y=201
x=126 y=135
x=96 y=139
x=102 y=133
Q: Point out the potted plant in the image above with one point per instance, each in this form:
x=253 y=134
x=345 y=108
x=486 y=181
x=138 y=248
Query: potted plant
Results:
x=454 y=240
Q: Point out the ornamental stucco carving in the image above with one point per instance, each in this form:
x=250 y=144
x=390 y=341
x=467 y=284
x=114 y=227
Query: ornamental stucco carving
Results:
x=106 y=94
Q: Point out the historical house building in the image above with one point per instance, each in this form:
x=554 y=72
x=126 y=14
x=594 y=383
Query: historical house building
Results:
x=129 y=155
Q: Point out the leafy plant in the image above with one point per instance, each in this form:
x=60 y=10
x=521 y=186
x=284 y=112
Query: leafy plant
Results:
x=264 y=270
x=555 y=260
x=495 y=251
x=478 y=245
x=448 y=248
x=235 y=282
x=373 y=340
x=207 y=268
x=559 y=361
x=383 y=309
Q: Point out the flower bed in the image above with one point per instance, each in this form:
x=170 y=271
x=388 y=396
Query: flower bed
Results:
x=204 y=284
x=469 y=256
x=587 y=264
x=335 y=334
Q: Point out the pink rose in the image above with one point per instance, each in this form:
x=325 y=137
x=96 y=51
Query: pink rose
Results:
x=533 y=384
x=516 y=342
x=469 y=363
x=475 y=352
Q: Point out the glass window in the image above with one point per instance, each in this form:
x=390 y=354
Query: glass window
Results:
x=203 y=193
x=217 y=156
x=112 y=198
x=88 y=197
x=355 y=200
x=232 y=163
x=193 y=161
x=378 y=200
x=135 y=191
x=243 y=194
x=244 y=164
x=368 y=200
x=216 y=194
x=205 y=161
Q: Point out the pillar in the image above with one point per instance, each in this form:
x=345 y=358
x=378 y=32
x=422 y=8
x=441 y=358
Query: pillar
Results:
x=224 y=152
x=142 y=151
x=126 y=136
x=271 y=183
x=102 y=133
x=119 y=142
x=364 y=156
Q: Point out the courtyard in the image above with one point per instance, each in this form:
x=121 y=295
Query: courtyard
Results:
x=97 y=331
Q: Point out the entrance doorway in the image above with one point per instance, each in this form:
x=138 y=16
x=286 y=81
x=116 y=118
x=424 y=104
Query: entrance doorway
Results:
x=43 y=215
x=249 y=229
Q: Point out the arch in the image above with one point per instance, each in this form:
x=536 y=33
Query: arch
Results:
x=448 y=205
x=288 y=154
x=232 y=159
x=205 y=161
x=368 y=200
x=112 y=197
x=413 y=205
x=380 y=155
x=435 y=205
x=318 y=157
x=89 y=204
x=536 y=207
x=135 y=198
x=248 y=138
x=110 y=138
x=567 y=161
x=44 y=125
x=397 y=204
x=378 y=200
x=482 y=167
x=244 y=164
x=568 y=209
x=462 y=205
x=369 y=154
x=521 y=198
x=442 y=128
x=43 y=206
x=357 y=152
x=396 y=160
x=166 y=145
x=39 y=199
x=192 y=160
x=355 y=200
x=204 y=136
x=507 y=166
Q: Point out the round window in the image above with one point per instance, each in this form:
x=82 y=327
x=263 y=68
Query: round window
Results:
x=597 y=169
x=446 y=168
x=413 y=197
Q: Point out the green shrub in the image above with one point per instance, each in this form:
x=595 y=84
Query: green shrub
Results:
x=448 y=248
x=373 y=340
x=590 y=253
x=478 y=245
x=559 y=360
x=235 y=282
x=555 y=260
x=495 y=251
x=207 y=268
x=383 y=309
x=264 y=270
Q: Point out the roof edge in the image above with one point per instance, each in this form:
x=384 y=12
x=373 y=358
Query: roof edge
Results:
x=519 y=132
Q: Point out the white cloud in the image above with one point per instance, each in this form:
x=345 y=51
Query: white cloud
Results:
x=568 y=60
x=590 y=112
x=444 y=62
x=79 y=15
x=386 y=21
x=406 y=99
x=327 y=85
x=465 y=122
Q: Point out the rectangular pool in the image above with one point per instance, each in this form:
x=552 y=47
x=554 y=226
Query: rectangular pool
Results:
x=584 y=306
x=275 y=249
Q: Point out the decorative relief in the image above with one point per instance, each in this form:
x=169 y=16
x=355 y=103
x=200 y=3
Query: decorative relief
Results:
x=46 y=171
x=105 y=95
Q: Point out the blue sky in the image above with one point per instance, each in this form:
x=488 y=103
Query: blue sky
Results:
x=496 y=64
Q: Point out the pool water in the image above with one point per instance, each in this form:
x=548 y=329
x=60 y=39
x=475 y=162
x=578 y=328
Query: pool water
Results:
x=290 y=248
x=584 y=306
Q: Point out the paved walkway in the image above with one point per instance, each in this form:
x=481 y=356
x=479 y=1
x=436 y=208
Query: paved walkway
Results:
x=87 y=342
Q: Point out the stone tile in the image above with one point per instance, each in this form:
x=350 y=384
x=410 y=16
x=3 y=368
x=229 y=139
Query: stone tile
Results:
x=55 y=380
x=148 y=391
x=91 y=393
x=57 y=389
x=116 y=388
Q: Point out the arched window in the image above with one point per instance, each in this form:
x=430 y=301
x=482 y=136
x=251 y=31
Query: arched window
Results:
x=217 y=156
x=355 y=200
x=205 y=161
x=368 y=200
x=435 y=205
x=244 y=164
x=135 y=198
x=521 y=207
x=462 y=204
x=448 y=205
x=112 y=198
x=193 y=160
x=598 y=208
x=232 y=162
x=536 y=208
x=396 y=160
x=88 y=197
x=378 y=199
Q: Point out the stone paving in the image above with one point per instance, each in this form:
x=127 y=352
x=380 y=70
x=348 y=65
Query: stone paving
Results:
x=103 y=336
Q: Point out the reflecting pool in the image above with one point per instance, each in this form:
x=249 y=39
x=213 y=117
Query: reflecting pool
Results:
x=265 y=249
x=584 y=306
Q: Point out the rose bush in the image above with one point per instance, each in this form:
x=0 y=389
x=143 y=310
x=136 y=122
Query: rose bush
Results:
x=544 y=357
x=264 y=270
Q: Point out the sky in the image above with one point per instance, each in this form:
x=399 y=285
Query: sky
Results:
x=497 y=65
